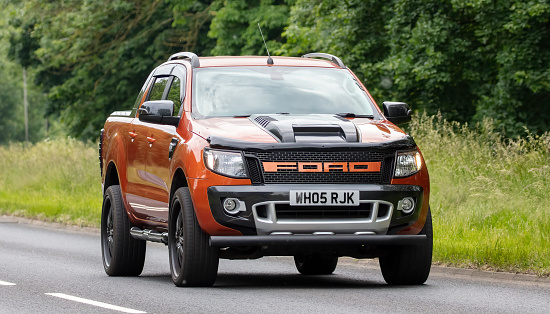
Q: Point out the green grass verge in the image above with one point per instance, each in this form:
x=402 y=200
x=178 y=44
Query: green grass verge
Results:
x=51 y=180
x=489 y=196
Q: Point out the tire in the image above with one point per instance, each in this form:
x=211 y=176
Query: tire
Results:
x=193 y=262
x=316 y=264
x=122 y=254
x=409 y=265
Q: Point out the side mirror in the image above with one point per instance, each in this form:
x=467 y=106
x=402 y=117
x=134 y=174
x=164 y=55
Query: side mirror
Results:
x=397 y=112
x=158 y=112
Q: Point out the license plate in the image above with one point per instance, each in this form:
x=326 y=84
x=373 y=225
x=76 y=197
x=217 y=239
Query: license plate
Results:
x=324 y=198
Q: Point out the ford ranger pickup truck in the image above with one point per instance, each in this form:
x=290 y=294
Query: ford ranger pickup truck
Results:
x=241 y=157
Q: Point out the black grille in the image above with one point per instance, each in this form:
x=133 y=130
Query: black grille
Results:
x=387 y=168
x=289 y=176
x=320 y=156
x=255 y=159
x=254 y=170
x=286 y=211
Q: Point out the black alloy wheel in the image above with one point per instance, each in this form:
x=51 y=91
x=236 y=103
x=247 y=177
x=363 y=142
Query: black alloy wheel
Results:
x=193 y=261
x=409 y=264
x=122 y=254
x=107 y=237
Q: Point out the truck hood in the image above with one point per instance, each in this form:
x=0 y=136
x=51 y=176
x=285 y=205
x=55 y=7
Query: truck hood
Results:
x=299 y=129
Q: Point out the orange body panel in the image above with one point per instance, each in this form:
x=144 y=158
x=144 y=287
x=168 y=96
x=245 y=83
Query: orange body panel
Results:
x=188 y=157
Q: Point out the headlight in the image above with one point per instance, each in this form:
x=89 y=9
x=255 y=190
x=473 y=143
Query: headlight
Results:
x=408 y=163
x=225 y=163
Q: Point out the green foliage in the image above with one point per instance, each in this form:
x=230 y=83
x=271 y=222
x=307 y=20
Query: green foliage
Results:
x=94 y=55
x=489 y=195
x=235 y=26
x=192 y=20
x=466 y=59
x=12 y=125
x=22 y=44
x=51 y=180
x=351 y=29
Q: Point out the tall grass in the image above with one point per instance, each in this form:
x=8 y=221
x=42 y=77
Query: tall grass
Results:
x=52 y=180
x=490 y=196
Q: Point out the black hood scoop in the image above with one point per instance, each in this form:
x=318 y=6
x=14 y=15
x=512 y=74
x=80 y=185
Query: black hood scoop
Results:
x=320 y=128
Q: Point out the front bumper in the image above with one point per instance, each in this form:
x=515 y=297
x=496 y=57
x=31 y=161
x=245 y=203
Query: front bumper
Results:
x=263 y=208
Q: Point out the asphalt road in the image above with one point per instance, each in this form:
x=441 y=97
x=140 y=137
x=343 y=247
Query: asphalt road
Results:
x=51 y=270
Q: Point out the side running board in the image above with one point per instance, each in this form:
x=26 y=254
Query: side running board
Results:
x=149 y=235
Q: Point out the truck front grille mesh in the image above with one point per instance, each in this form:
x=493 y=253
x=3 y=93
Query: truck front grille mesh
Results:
x=286 y=211
x=258 y=175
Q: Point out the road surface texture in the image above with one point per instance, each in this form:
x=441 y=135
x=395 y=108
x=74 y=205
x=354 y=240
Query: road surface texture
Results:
x=44 y=269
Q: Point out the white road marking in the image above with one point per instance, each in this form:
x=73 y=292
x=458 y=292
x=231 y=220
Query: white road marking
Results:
x=94 y=303
x=4 y=283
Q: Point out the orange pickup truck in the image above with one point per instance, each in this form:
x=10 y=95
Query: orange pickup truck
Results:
x=241 y=157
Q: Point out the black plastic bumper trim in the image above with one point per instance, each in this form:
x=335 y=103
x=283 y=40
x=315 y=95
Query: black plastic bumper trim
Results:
x=228 y=241
x=253 y=194
x=227 y=143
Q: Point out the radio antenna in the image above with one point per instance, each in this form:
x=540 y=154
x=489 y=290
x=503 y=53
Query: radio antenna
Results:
x=269 y=59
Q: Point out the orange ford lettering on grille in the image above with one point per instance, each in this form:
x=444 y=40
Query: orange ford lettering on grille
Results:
x=322 y=166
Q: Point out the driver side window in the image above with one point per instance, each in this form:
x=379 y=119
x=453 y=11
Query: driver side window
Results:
x=174 y=95
x=158 y=88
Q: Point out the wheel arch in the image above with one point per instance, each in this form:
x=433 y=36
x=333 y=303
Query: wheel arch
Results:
x=111 y=176
x=178 y=180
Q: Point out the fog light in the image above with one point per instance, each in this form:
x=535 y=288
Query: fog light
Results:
x=407 y=205
x=233 y=205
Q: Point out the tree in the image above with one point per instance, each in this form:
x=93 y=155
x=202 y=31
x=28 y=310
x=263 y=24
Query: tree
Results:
x=353 y=30
x=466 y=59
x=16 y=44
x=192 y=20
x=235 y=26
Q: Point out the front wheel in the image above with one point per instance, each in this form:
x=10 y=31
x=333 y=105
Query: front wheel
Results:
x=409 y=264
x=316 y=264
x=193 y=262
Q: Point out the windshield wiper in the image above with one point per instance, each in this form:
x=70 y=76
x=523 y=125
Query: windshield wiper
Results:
x=242 y=116
x=353 y=115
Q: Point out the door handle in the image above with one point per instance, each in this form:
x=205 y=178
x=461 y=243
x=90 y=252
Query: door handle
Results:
x=133 y=135
x=150 y=139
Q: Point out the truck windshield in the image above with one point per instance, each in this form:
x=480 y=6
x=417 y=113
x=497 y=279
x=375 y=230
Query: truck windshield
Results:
x=243 y=91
